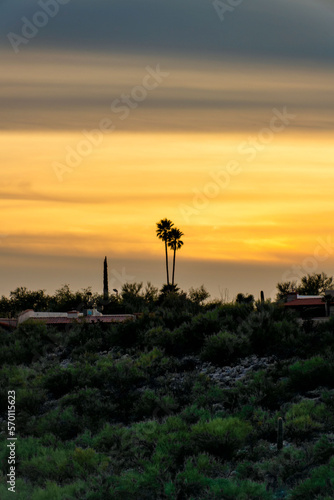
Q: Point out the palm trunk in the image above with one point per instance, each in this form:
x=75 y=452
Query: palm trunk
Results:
x=167 y=262
x=174 y=266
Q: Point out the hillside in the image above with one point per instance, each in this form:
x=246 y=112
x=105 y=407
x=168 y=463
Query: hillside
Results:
x=178 y=404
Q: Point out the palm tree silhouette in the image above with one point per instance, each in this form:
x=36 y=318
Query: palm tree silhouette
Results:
x=175 y=243
x=163 y=231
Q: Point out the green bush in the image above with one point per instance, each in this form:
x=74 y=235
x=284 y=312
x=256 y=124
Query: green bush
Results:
x=304 y=418
x=53 y=491
x=320 y=485
x=224 y=347
x=221 y=437
x=63 y=423
x=311 y=373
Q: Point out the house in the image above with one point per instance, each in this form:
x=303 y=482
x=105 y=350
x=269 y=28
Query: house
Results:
x=310 y=306
x=62 y=319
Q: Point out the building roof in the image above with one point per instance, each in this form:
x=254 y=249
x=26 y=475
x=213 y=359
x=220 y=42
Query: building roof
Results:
x=305 y=302
x=116 y=318
x=8 y=322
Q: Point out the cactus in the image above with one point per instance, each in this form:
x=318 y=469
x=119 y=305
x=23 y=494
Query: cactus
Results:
x=262 y=297
x=280 y=434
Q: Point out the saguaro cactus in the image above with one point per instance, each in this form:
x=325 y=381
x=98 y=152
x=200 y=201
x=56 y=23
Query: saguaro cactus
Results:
x=105 y=280
x=280 y=434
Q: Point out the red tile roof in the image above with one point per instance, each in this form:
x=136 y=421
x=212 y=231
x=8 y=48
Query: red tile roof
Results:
x=305 y=302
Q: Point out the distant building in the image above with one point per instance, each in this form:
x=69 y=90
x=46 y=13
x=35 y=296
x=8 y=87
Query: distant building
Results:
x=60 y=319
x=310 y=306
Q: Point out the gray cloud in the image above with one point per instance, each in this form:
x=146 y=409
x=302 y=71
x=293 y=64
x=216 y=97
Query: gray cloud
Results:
x=271 y=28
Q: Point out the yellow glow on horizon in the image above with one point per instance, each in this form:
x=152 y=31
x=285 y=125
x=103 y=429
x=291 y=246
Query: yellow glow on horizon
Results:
x=273 y=210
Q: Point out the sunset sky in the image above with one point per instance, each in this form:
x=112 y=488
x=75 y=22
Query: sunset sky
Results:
x=117 y=114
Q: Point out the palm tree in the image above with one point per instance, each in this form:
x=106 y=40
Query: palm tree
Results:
x=175 y=243
x=163 y=230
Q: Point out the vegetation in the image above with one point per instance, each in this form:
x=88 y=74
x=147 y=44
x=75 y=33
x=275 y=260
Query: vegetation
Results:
x=311 y=284
x=171 y=236
x=194 y=400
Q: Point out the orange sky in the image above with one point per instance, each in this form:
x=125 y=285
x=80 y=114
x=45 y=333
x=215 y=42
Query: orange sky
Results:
x=271 y=206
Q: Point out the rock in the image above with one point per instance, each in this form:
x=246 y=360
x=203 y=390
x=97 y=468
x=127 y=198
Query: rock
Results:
x=218 y=407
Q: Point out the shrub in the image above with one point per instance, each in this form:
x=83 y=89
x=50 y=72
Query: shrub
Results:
x=320 y=485
x=311 y=373
x=224 y=347
x=304 y=417
x=63 y=423
x=52 y=491
x=221 y=437
x=55 y=466
x=87 y=459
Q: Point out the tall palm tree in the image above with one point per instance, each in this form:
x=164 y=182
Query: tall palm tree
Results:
x=175 y=243
x=163 y=229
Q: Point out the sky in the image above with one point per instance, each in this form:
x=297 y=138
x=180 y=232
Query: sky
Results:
x=215 y=114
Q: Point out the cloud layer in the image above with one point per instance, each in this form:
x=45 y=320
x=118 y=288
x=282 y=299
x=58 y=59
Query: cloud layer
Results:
x=271 y=28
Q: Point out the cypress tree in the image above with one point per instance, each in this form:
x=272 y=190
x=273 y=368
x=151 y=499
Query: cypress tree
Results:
x=105 y=280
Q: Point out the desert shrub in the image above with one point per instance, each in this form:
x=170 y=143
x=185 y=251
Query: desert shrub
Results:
x=87 y=337
x=30 y=400
x=320 y=485
x=264 y=422
x=199 y=481
x=63 y=423
x=191 y=481
x=224 y=347
x=137 y=484
x=271 y=330
x=87 y=459
x=125 y=334
x=124 y=448
x=189 y=336
x=262 y=389
x=323 y=450
x=221 y=437
x=56 y=466
x=155 y=363
x=228 y=490
x=23 y=491
x=159 y=337
x=153 y=404
x=205 y=392
x=122 y=373
x=193 y=413
x=90 y=404
x=53 y=491
x=58 y=381
x=31 y=341
x=172 y=449
x=304 y=418
x=311 y=373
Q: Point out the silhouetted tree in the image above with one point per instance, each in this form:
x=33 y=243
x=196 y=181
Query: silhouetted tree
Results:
x=198 y=295
x=310 y=284
x=175 y=243
x=163 y=231
x=105 y=280
x=244 y=299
